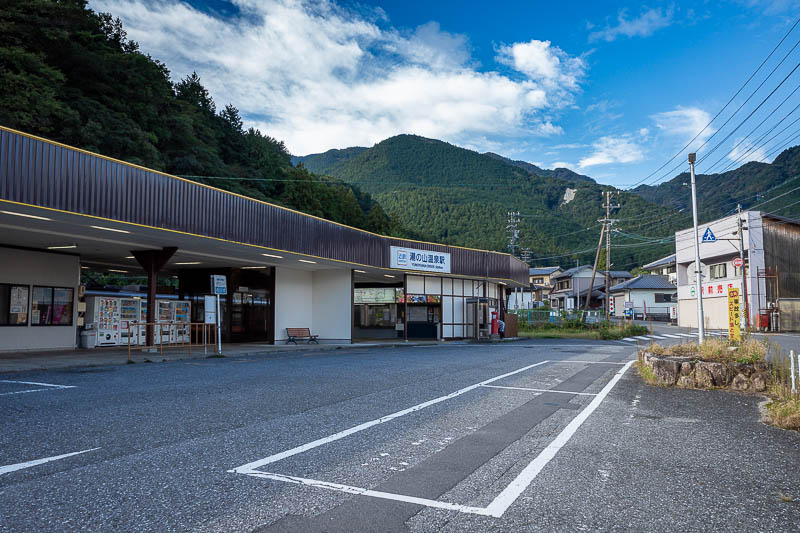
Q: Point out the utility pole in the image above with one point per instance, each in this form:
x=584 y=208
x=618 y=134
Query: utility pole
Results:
x=594 y=272
x=607 y=222
x=745 y=308
x=701 y=328
x=512 y=228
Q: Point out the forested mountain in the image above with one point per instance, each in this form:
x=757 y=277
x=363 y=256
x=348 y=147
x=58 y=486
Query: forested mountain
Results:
x=560 y=173
x=752 y=184
x=462 y=197
x=319 y=163
x=71 y=75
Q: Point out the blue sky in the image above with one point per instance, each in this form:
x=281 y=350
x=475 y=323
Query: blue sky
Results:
x=607 y=89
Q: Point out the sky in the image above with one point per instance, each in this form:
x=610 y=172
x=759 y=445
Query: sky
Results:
x=610 y=90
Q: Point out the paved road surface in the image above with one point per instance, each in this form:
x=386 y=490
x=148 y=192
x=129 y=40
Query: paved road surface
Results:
x=537 y=436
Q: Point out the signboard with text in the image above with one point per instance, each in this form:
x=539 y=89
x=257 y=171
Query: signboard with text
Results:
x=423 y=260
x=219 y=285
x=734 y=315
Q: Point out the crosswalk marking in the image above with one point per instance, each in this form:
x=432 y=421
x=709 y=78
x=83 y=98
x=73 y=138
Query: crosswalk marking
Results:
x=670 y=336
x=657 y=337
x=629 y=339
x=642 y=337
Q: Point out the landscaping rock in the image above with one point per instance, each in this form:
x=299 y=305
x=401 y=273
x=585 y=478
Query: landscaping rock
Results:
x=686 y=382
x=741 y=383
x=686 y=369
x=743 y=368
x=702 y=376
x=666 y=370
x=759 y=382
x=720 y=374
x=761 y=366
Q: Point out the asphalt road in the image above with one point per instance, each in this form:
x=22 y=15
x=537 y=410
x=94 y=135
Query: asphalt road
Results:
x=537 y=436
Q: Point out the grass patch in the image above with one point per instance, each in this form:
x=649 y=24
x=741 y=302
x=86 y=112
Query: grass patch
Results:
x=574 y=329
x=718 y=350
x=784 y=413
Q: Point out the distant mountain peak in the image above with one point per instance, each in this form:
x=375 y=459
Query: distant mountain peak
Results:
x=558 y=173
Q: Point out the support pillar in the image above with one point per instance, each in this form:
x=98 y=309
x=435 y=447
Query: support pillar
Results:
x=152 y=261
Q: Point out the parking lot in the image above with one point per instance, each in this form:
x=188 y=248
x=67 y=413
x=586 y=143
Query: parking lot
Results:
x=526 y=436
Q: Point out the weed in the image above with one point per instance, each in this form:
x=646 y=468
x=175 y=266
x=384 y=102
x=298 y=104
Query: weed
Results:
x=785 y=413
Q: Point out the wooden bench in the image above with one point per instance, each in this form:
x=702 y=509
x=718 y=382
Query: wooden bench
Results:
x=296 y=334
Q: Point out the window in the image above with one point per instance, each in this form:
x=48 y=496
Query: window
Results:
x=51 y=306
x=662 y=298
x=737 y=272
x=538 y=281
x=719 y=271
x=563 y=285
x=13 y=305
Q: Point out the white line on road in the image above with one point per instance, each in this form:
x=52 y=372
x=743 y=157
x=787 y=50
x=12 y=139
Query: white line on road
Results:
x=509 y=495
x=588 y=362
x=540 y=390
x=19 y=466
x=642 y=337
x=250 y=467
x=686 y=335
x=670 y=336
x=49 y=386
x=629 y=339
x=657 y=337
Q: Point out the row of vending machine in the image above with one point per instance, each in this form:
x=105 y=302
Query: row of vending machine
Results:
x=118 y=321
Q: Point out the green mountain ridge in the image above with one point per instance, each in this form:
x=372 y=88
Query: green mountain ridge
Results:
x=752 y=185
x=462 y=197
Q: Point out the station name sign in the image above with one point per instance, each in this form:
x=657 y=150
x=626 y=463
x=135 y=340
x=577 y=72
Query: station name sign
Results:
x=424 y=260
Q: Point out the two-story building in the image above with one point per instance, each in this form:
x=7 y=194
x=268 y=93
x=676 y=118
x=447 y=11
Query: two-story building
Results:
x=572 y=287
x=663 y=267
x=771 y=252
x=540 y=279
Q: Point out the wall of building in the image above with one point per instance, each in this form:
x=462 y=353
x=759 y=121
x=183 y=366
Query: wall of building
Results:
x=331 y=303
x=23 y=267
x=294 y=296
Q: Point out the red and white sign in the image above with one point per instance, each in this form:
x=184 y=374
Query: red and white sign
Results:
x=737 y=262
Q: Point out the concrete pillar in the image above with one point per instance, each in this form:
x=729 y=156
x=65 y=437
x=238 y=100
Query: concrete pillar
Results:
x=152 y=262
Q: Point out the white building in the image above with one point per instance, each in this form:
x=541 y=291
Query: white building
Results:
x=650 y=297
x=771 y=246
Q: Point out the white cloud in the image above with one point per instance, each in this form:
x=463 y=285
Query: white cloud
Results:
x=318 y=76
x=644 y=132
x=610 y=149
x=685 y=123
x=642 y=26
x=561 y=164
x=548 y=65
x=742 y=153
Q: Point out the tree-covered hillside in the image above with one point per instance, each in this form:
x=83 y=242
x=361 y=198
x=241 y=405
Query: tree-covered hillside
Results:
x=462 y=197
x=560 y=173
x=71 y=75
x=753 y=184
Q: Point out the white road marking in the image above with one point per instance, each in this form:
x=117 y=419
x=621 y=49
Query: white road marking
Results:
x=629 y=339
x=496 y=508
x=670 y=336
x=19 y=466
x=686 y=334
x=657 y=337
x=642 y=337
x=49 y=386
x=588 y=362
x=509 y=495
x=539 y=391
x=249 y=468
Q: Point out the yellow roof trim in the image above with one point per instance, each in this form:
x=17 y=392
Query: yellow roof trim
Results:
x=55 y=143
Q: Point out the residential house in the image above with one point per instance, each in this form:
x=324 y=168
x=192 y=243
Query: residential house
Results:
x=571 y=287
x=664 y=267
x=650 y=297
x=540 y=279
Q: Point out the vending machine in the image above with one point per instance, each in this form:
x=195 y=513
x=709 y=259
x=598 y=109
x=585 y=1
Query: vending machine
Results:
x=103 y=312
x=129 y=316
x=182 y=313
x=164 y=317
x=143 y=316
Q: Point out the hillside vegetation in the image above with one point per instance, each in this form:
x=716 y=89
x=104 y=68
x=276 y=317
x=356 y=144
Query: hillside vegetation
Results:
x=462 y=197
x=71 y=75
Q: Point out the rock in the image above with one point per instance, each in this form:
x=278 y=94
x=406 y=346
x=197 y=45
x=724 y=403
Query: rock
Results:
x=759 y=382
x=685 y=381
x=743 y=368
x=741 y=383
x=686 y=369
x=720 y=374
x=761 y=366
x=665 y=370
x=702 y=377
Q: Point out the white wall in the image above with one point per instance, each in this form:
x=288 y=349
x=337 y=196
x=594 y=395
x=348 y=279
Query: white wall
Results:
x=332 y=307
x=293 y=301
x=320 y=301
x=24 y=267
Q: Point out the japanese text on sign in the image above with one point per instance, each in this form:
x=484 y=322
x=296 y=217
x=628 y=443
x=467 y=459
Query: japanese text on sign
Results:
x=734 y=318
x=413 y=259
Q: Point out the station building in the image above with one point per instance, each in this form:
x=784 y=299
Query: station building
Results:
x=64 y=210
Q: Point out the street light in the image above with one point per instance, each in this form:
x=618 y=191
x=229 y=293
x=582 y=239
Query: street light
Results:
x=701 y=329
